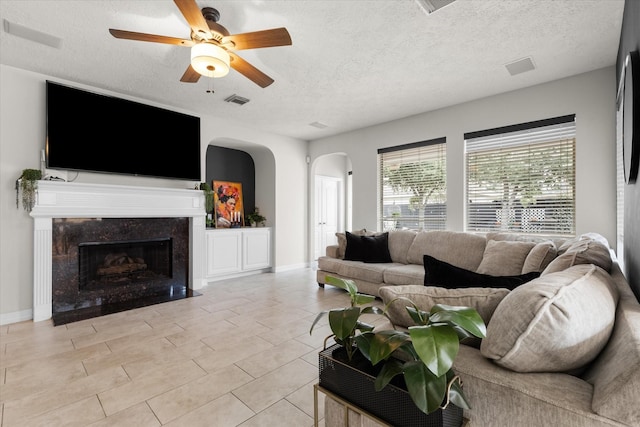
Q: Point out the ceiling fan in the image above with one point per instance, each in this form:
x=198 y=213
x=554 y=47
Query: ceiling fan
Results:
x=212 y=46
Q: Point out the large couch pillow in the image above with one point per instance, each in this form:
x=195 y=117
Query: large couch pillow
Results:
x=399 y=244
x=581 y=252
x=504 y=258
x=540 y=257
x=484 y=300
x=342 y=240
x=455 y=247
x=373 y=249
x=440 y=273
x=556 y=323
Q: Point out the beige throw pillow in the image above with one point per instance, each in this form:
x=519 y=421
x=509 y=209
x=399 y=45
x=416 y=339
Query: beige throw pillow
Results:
x=581 y=252
x=556 y=323
x=484 y=300
x=540 y=257
x=504 y=258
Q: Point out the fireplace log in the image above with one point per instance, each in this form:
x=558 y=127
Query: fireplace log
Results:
x=120 y=263
x=121 y=269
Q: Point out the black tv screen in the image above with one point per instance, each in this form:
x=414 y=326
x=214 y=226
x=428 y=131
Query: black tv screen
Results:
x=88 y=131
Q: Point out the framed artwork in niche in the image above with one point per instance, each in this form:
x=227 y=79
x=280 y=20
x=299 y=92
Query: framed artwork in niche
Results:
x=629 y=105
x=229 y=206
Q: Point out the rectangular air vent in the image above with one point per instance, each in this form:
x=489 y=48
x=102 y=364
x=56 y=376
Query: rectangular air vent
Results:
x=430 y=6
x=236 y=99
x=30 y=34
x=520 y=66
x=318 y=125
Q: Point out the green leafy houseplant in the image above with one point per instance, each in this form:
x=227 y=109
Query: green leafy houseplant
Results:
x=208 y=202
x=255 y=217
x=345 y=322
x=424 y=354
x=27 y=185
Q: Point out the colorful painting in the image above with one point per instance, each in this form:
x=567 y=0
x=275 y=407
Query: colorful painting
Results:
x=229 y=204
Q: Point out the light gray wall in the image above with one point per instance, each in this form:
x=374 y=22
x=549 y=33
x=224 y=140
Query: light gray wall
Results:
x=281 y=182
x=591 y=96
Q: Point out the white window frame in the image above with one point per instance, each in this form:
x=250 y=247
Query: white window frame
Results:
x=398 y=208
x=521 y=178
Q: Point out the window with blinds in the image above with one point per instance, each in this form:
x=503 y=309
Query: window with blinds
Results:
x=413 y=186
x=521 y=178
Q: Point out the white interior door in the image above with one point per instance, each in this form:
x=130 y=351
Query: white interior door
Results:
x=327 y=212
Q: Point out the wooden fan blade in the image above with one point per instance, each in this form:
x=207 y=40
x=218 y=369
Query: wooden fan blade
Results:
x=143 y=37
x=194 y=17
x=258 y=39
x=249 y=71
x=190 y=75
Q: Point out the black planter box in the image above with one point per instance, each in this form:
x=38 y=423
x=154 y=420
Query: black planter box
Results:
x=354 y=381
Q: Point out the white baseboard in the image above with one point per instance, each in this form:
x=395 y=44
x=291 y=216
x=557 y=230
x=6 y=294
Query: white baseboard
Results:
x=16 y=316
x=282 y=268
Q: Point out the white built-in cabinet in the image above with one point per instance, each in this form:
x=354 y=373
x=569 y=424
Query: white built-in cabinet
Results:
x=237 y=251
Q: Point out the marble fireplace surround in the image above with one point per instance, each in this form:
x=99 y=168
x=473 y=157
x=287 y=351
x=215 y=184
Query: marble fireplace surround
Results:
x=80 y=200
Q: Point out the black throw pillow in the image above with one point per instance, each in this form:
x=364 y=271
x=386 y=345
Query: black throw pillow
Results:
x=440 y=273
x=371 y=249
x=376 y=248
x=355 y=247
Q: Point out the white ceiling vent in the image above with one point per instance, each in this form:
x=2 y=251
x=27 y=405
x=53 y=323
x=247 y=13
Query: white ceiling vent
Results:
x=430 y=6
x=520 y=66
x=236 y=99
x=318 y=125
x=33 y=35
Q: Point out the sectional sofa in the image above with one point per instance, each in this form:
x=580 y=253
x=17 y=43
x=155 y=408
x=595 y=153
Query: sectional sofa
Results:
x=563 y=326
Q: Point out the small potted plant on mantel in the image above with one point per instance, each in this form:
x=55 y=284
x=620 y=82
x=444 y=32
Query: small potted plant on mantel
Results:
x=27 y=187
x=208 y=202
x=255 y=218
x=400 y=365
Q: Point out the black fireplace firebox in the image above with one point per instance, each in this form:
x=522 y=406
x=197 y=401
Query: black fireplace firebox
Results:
x=104 y=265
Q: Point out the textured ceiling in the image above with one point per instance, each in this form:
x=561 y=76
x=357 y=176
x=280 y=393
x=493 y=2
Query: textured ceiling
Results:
x=353 y=63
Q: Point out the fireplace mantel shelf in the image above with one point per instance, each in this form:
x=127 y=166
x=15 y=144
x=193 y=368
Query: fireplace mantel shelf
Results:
x=57 y=199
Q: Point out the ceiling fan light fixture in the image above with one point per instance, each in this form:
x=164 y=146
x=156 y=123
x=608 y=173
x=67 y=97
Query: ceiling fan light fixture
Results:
x=210 y=60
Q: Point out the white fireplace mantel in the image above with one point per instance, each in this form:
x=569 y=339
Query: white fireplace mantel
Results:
x=80 y=200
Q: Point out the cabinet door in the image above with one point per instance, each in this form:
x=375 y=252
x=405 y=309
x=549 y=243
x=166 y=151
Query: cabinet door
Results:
x=224 y=252
x=256 y=249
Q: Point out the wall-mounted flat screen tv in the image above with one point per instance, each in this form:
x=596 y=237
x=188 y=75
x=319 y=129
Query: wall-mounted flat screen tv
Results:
x=92 y=132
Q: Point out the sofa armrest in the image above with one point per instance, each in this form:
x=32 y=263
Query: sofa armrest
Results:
x=499 y=397
x=332 y=251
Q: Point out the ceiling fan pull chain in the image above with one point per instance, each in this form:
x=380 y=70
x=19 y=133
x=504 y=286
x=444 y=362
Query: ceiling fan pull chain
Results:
x=210 y=89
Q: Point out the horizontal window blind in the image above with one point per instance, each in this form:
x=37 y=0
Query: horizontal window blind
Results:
x=522 y=180
x=413 y=186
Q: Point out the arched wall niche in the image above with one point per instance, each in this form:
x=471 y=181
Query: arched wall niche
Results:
x=253 y=165
x=334 y=165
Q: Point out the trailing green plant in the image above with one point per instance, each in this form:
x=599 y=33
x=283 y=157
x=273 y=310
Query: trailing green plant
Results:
x=255 y=217
x=425 y=353
x=208 y=201
x=345 y=322
x=26 y=188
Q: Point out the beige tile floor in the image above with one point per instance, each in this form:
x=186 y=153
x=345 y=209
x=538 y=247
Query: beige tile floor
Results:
x=238 y=355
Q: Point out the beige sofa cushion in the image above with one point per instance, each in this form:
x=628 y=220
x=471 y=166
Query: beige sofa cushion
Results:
x=540 y=257
x=504 y=258
x=616 y=373
x=409 y=274
x=370 y=272
x=399 y=244
x=581 y=252
x=461 y=249
x=556 y=323
x=484 y=300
